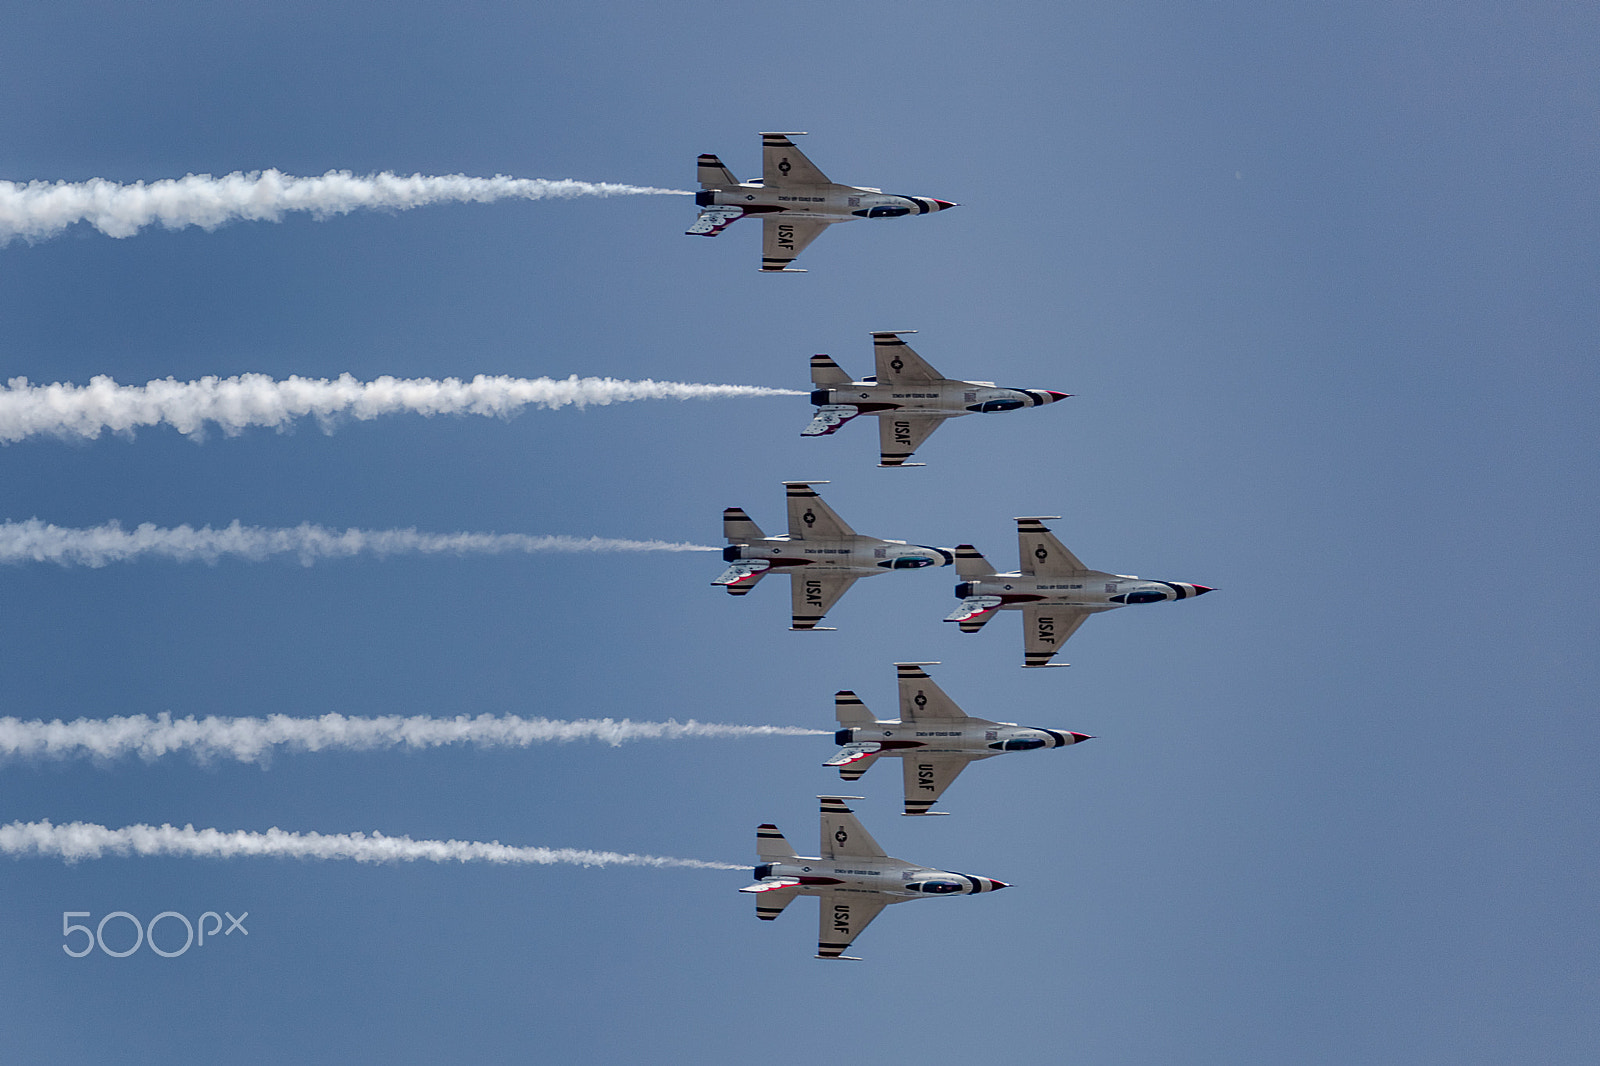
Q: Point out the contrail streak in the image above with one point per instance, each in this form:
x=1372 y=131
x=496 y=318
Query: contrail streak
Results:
x=36 y=541
x=40 y=209
x=254 y=739
x=75 y=841
x=247 y=400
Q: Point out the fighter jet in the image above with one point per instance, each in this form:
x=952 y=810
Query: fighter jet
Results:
x=934 y=739
x=821 y=554
x=794 y=200
x=909 y=397
x=1054 y=591
x=852 y=878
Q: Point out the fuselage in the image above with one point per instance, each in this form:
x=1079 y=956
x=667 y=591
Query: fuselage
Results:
x=859 y=555
x=947 y=398
x=1092 y=589
x=898 y=738
x=831 y=203
x=892 y=877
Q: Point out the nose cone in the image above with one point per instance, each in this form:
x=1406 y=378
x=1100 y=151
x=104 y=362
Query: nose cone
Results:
x=1201 y=590
x=1079 y=738
x=996 y=884
x=1054 y=396
x=945 y=205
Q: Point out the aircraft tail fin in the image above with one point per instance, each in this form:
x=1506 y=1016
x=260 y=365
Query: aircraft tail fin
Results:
x=850 y=711
x=971 y=565
x=713 y=174
x=737 y=527
x=771 y=846
x=824 y=371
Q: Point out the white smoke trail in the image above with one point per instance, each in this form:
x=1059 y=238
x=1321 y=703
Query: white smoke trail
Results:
x=247 y=400
x=41 y=209
x=254 y=739
x=36 y=541
x=75 y=841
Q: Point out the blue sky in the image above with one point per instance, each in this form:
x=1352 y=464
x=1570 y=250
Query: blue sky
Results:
x=1321 y=281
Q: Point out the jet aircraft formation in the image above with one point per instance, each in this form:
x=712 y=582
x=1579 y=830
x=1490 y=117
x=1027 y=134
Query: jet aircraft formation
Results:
x=934 y=739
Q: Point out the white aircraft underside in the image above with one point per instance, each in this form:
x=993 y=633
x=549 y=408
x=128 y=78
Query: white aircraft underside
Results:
x=1053 y=589
x=933 y=738
x=853 y=878
x=822 y=554
x=794 y=200
x=910 y=398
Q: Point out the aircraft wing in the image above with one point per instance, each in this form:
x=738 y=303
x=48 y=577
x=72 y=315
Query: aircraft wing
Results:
x=811 y=596
x=901 y=434
x=843 y=835
x=927 y=778
x=742 y=576
x=782 y=240
x=829 y=418
x=809 y=517
x=1045 y=629
x=898 y=365
x=713 y=220
x=920 y=699
x=841 y=918
x=1042 y=554
x=784 y=164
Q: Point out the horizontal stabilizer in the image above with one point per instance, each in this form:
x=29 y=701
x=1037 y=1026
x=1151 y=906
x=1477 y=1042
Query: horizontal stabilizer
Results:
x=742 y=577
x=713 y=220
x=773 y=896
x=771 y=845
x=853 y=771
x=854 y=753
x=713 y=174
x=973 y=612
x=775 y=885
x=737 y=527
x=829 y=418
x=971 y=565
x=850 y=711
x=824 y=371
